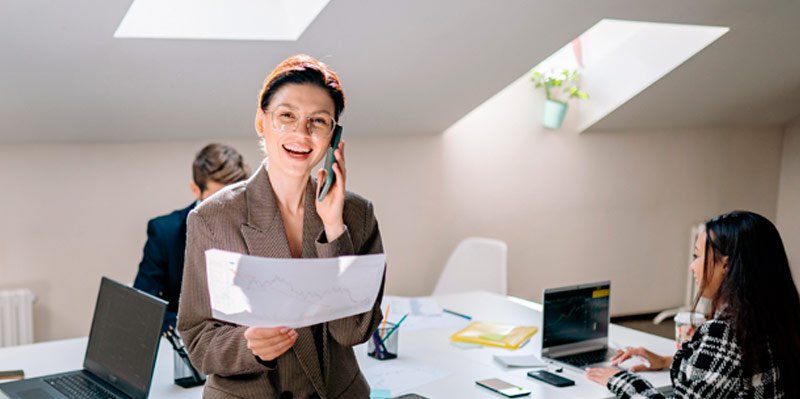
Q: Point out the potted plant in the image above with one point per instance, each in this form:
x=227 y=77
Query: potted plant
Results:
x=559 y=87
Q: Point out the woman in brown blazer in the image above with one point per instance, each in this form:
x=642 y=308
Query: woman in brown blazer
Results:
x=276 y=214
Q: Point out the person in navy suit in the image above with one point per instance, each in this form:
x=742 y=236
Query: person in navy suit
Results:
x=161 y=269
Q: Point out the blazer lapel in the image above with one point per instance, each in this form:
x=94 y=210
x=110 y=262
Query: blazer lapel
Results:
x=265 y=236
x=312 y=224
x=263 y=233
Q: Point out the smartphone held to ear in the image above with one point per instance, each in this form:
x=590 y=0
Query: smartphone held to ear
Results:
x=503 y=388
x=330 y=159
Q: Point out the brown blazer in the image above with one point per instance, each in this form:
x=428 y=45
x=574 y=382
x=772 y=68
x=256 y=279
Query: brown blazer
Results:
x=245 y=218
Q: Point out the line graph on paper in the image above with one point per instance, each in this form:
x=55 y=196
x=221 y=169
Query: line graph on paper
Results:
x=268 y=292
x=283 y=286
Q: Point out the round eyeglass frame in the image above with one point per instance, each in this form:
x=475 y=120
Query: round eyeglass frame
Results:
x=282 y=128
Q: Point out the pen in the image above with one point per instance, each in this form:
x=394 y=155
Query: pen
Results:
x=174 y=339
x=168 y=336
x=385 y=317
x=379 y=345
x=457 y=314
x=395 y=327
x=178 y=346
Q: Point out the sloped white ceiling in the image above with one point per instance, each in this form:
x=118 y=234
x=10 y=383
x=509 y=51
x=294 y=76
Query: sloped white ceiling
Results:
x=408 y=67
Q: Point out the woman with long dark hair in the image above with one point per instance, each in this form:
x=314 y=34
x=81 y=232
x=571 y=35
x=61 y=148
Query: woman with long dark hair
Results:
x=751 y=346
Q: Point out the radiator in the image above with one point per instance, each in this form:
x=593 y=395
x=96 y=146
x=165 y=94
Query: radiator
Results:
x=16 y=317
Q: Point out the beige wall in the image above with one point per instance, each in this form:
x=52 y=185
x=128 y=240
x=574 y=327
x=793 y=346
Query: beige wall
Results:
x=789 y=197
x=74 y=212
x=615 y=205
x=71 y=213
x=599 y=205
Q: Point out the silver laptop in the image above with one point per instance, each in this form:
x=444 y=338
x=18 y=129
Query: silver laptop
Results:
x=120 y=355
x=575 y=323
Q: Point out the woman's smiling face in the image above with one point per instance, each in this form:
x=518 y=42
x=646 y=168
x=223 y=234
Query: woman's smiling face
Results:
x=294 y=152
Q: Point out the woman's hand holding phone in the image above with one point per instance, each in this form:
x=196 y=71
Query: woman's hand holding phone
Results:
x=331 y=208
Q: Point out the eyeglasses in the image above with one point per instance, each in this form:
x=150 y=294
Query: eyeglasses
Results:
x=287 y=119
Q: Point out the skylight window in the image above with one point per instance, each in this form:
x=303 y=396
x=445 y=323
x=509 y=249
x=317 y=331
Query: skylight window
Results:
x=618 y=59
x=214 y=19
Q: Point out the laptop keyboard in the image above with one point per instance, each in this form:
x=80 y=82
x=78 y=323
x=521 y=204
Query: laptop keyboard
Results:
x=582 y=360
x=78 y=386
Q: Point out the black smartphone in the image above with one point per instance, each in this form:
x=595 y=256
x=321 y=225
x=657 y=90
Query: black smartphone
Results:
x=503 y=388
x=330 y=159
x=550 y=378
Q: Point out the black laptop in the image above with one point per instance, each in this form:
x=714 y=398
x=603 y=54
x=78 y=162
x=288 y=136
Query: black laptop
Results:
x=120 y=356
x=575 y=325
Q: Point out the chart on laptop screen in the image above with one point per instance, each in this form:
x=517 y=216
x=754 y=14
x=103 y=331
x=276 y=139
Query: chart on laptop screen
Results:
x=576 y=315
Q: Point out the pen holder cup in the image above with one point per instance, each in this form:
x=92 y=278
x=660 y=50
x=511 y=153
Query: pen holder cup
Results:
x=184 y=373
x=383 y=343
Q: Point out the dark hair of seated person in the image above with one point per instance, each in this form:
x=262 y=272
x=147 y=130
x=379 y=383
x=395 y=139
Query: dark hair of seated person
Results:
x=757 y=295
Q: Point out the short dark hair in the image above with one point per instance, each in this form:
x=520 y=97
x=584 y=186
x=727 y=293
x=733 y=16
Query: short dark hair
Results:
x=303 y=69
x=220 y=163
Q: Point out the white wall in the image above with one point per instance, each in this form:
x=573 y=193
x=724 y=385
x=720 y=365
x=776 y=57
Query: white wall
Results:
x=789 y=197
x=600 y=205
x=402 y=176
x=615 y=205
x=70 y=213
x=74 y=212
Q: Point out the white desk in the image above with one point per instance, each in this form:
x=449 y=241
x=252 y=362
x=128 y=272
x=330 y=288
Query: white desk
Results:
x=427 y=348
x=431 y=348
x=65 y=355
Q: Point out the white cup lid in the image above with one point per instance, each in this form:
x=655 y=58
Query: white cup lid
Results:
x=689 y=317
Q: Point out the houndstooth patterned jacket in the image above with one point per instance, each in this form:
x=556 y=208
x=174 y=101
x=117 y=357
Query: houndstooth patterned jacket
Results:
x=708 y=366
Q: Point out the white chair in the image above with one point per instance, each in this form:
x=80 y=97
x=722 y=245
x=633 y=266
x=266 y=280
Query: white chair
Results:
x=476 y=264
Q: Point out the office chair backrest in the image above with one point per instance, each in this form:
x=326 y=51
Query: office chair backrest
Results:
x=476 y=264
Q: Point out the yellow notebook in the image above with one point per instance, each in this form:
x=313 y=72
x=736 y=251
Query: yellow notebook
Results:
x=492 y=334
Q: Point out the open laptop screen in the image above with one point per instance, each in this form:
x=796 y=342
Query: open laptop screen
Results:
x=124 y=339
x=576 y=314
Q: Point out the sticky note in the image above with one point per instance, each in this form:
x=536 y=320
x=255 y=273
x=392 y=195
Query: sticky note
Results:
x=378 y=393
x=492 y=337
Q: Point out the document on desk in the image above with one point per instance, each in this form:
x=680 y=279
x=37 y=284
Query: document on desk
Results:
x=271 y=292
x=399 y=378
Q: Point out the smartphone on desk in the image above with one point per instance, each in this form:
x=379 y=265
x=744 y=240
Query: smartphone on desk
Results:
x=503 y=388
x=11 y=375
x=330 y=159
x=550 y=378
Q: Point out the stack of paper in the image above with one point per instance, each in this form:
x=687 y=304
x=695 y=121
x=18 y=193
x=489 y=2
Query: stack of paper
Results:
x=520 y=361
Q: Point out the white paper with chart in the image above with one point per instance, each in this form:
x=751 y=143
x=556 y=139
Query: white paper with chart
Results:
x=270 y=292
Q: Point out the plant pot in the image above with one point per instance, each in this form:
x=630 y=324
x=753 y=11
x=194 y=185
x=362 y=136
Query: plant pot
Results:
x=554 y=112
